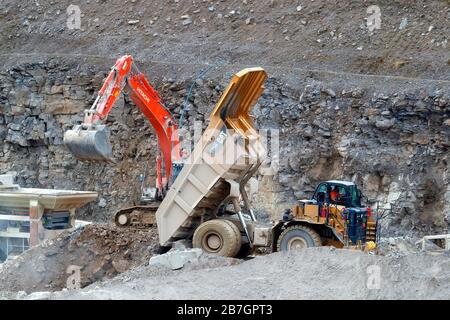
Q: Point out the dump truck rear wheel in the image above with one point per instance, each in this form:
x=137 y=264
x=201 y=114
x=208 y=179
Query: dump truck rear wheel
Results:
x=298 y=237
x=218 y=236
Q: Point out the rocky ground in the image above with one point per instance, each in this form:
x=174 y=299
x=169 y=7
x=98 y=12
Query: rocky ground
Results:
x=315 y=273
x=123 y=265
x=101 y=251
x=349 y=103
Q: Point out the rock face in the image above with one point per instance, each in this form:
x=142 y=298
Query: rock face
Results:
x=39 y=101
x=394 y=145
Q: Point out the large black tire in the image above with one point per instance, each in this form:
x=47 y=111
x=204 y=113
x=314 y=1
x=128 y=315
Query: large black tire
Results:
x=218 y=236
x=298 y=237
x=237 y=234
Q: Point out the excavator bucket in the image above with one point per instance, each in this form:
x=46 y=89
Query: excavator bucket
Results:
x=89 y=142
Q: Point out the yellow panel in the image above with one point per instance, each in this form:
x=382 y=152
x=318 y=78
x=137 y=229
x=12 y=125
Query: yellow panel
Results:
x=238 y=99
x=311 y=210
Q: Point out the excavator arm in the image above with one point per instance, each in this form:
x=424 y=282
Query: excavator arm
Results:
x=90 y=140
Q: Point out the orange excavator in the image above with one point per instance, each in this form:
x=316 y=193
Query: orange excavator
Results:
x=90 y=140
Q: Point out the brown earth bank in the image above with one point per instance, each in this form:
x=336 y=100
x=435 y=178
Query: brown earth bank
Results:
x=100 y=251
x=328 y=35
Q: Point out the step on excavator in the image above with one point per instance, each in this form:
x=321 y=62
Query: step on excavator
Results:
x=89 y=141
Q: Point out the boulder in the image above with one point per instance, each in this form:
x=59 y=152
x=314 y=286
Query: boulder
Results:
x=176 y=259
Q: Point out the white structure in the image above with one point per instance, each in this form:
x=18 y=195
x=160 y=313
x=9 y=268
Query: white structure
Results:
x=445 y=237
x=29 y=216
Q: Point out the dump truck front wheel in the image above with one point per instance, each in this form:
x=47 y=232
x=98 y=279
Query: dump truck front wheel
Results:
x=298 y=237
x=218 y=236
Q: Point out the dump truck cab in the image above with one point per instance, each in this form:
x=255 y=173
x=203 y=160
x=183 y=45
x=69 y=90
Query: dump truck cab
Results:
x=348 y=194
x=333 y=216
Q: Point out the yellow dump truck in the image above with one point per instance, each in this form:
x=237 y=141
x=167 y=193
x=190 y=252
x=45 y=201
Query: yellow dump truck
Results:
x=204 y=202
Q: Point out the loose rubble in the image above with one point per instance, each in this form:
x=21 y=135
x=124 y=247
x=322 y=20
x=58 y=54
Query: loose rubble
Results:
x=98 y=250
x=314 y=273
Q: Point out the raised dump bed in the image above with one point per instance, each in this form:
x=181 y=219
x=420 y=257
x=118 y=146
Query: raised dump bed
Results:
x=224 y=159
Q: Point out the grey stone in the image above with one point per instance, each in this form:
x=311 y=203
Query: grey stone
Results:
x=16 y=137
x=324 y=133
x=40 y=295
x=330 y=92
x=182 y=245
x=403 y=23
x=176 y=259
x=385 y=123
x=102 y=202
x=187 y=20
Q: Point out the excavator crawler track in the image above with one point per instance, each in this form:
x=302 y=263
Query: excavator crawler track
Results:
x=141 y=217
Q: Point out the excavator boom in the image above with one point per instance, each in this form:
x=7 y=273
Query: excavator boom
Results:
x=90 y=140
